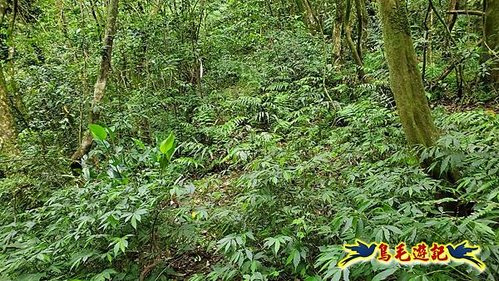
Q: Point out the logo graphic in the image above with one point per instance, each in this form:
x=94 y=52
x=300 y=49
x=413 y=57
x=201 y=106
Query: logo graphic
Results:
x=466 y=253
x=356 y=253
x=420 y=253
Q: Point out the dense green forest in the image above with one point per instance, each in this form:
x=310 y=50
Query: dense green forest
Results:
x=247 y=140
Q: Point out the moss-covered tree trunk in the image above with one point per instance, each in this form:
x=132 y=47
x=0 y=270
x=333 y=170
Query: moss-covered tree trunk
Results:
x=7 y=124
x=7 y=129
x=405 y=77
x=339 y=25
x=492 y=39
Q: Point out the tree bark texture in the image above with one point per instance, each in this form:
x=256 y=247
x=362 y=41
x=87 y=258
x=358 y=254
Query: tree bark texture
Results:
x=7 y=127
x=405 y=77
x=491 y=31
x=100 y=85
x=351 y=45
x=339 y=25
x=7 y=124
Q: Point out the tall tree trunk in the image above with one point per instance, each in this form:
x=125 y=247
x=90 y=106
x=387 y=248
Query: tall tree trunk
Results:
x=100 y=85
x=362 y=20
x=405 y=77
x=7 y=129
x=7 y=124
x=308 y=15
x=339 y=24
x=312 y=17
x=492 y=39
x=348 y=36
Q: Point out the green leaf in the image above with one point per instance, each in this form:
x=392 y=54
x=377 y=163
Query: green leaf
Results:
x=134 y=222
x=98 y=132
x=104 y=275
x=163 y=162
x=116 y=249
x=336 y=276
x=384 y=274
x=168 y=146
x=31 y=277
x=294 y=257
x=445 y=163
x=120 y=245
x=394 y=229
x=277 y=245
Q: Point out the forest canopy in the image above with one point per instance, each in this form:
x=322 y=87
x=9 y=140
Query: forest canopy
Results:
x=249 y=140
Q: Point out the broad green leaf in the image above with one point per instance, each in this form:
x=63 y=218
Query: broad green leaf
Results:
x=104 y=275
x=445 y=163
x=98 y=132
x=346 y=274
x=116 y=249
x=336 y=276
x=294 y=257
x=384 y=274
x=167 y=145
x=134 y=222
x=120 y=245
x=394 y=229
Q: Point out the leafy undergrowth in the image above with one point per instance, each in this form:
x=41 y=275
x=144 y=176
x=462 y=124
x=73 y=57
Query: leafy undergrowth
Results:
x=271 y=175
x=272 y=195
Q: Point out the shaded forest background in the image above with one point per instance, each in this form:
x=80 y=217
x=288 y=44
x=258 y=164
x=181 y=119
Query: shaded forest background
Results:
x=245 y=140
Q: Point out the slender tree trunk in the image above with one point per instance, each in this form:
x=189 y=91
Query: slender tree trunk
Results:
x=430 y=46
x=348 y=36
x=491 y=31
x=405 y=77
x=339 y=24
x=452 y=17
x=100 y=85
x=308 y=15
x=362 y=20
x=312 y=17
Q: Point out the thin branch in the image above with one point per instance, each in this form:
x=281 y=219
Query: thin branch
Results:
x=457 y=67
x=439 y=17
x=426 y=37
x=449 y=69
x=467 y=12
